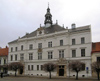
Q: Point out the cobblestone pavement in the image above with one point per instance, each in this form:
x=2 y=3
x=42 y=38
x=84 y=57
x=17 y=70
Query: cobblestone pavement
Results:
x=44 y=79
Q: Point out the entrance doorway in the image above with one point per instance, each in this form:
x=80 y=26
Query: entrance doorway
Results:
x=61 y=72
x=21 y=71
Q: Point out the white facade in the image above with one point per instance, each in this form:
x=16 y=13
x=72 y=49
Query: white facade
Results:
x=33 y=66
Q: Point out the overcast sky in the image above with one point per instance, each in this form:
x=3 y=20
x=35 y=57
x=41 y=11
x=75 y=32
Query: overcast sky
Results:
x=20 y=16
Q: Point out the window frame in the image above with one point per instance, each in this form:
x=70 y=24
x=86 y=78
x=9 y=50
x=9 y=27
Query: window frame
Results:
x=73 y=42
x=50 y=44
x=61 y=42
x=82 y=40
x=39 y=55
x=30 y=56
x=61 y=53
x=82 y=52
x=74 y=53
x=50 y=55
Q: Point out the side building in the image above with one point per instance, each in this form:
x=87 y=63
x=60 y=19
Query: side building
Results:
x=3 y=58
x=95 y=55
x=52 y=43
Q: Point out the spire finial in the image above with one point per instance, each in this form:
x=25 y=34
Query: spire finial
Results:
x=56 y=21
x=48 y=4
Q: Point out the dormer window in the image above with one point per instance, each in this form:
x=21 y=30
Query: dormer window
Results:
x=40 y=32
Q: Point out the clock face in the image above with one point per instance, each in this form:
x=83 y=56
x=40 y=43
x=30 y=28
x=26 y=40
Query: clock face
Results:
x=40 y=32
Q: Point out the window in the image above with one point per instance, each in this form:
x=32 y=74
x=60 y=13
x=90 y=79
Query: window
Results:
x=98 y=59
x=39 y=45
x=11 y=49
x=50 y=55
x=16 y=49
x=4 y=61
x=50 y=44
x=30 y=56
x=28 y=67
x=73 y=53
x=15 y=57
x=41 y=67
x=11 y=57
x=32 y=67
x=82 y=40
x=61 y=54
x=22 y=47
x=73 y=41
x=31 y=46
x=83 y=66
x=37 y=67
x=22 y=57
x=82 y=52
x=39 y=55
x=61 y=42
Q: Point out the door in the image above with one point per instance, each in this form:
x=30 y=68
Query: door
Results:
x=61 y=72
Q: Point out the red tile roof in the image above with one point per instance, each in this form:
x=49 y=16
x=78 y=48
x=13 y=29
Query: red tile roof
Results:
x=4 y=51
x=95 y=47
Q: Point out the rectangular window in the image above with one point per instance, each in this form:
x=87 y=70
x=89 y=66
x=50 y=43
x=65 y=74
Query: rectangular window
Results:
x=11 y=57
x=22 y=47
x=98 y=59
x=39 y=56
x=50 y=44
x=32 y=67
x=41 y=67
x=50 y=55
x=61 y=42
x=11 y=49
x=31 y=46
x=16 y=49
x=30 y=56
x=39 y=45
x=21 y=57
x=83 y=66
x=61 y=54
x=73 y=53
x=82 y=40
x=82 y=52
x=37 y=67
x=15 y=57
x=4 y=61
x=28 y=67
x=73 y=41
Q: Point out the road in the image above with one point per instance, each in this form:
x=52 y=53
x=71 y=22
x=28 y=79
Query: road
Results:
x=43 y=79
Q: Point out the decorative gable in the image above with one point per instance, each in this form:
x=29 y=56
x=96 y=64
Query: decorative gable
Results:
x=40 y=31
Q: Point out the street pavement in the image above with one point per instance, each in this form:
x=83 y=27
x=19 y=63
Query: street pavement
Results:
x=19 y=78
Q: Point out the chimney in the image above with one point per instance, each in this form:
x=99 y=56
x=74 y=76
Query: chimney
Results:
x=73 y=26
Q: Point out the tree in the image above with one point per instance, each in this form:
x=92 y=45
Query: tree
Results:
x=96 y=68
x=49 y=67
x=76 y=66
x=15 y=66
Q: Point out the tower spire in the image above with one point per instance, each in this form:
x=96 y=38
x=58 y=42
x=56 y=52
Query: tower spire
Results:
x=48 y=18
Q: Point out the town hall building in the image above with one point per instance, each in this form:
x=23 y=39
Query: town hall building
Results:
x=52 y=43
